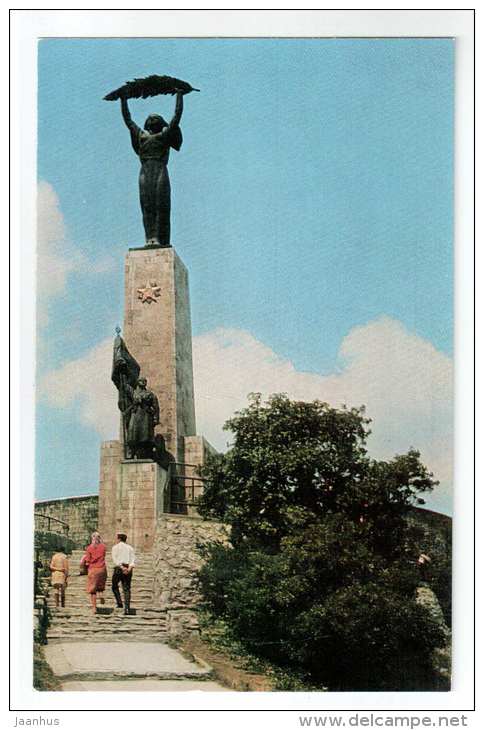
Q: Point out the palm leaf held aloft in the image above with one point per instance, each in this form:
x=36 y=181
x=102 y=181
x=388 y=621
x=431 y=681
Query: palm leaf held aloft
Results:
x=149 y=86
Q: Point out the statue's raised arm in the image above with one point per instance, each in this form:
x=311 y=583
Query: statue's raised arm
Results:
x=152 y=144
x=170 y=134
x=126 y=113
x=178 y=110
x=132 y=126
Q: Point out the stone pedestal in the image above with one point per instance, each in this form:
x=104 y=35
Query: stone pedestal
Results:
x=157 y=332
x=111 y=456
x=142 y=496
x=132 y=496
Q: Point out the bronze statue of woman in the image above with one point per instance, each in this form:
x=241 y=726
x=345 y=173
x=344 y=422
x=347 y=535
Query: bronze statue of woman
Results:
x=152 y=145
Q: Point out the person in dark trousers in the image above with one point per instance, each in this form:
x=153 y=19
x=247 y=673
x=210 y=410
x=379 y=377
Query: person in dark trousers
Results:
x=124 y=561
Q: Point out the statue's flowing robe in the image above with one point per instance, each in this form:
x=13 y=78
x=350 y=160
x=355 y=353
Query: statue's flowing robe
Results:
x=144 y=413
x=154 y=181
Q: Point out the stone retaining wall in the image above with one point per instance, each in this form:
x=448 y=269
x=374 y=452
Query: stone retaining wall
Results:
x=176 y=559
x=80 y=513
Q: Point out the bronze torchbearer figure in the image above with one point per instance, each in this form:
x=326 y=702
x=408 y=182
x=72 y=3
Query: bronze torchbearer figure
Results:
x=152 y=144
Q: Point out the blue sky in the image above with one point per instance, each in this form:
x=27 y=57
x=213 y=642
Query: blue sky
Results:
x=312 y=203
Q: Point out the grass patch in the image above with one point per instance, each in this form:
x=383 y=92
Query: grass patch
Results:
x=44 y=678
x=217 y=635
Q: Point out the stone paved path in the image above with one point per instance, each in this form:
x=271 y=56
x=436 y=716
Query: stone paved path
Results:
x=144 y=685
x=127 y=667
x=111 y=660
x=110 y=652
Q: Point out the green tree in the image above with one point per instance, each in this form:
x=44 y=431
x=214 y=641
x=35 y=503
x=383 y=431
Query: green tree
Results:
x=289 y=454
x=321 y=573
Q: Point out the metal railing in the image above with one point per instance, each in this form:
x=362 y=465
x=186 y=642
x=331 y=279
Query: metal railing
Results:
x=37 y=566
x=41 y=516
x=41 y=610
x=185 y=488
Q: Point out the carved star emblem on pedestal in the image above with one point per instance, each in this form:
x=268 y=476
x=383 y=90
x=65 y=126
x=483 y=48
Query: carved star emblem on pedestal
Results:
x=149 y=293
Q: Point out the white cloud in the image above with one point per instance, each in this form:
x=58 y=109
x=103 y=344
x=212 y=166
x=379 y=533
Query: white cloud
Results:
x=85 y=385
x=403 y=380
x=57 y=256
x=53 y=262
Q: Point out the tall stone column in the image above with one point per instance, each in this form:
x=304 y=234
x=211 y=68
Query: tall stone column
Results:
x=157 y=331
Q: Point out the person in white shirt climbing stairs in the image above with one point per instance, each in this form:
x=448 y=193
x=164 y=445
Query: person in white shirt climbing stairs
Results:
x=124 y=561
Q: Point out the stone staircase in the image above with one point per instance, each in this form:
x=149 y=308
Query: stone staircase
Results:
x=76 y=622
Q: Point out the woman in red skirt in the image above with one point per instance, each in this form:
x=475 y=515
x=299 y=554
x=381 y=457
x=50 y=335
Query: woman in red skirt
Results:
x=95 y=560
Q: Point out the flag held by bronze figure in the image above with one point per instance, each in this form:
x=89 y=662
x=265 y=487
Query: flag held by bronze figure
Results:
x=125 y=371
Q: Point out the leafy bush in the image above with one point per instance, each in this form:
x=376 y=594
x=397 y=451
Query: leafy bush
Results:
x=42 y=621
x=366 y=637
x=325 y=604
x=322 y=571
